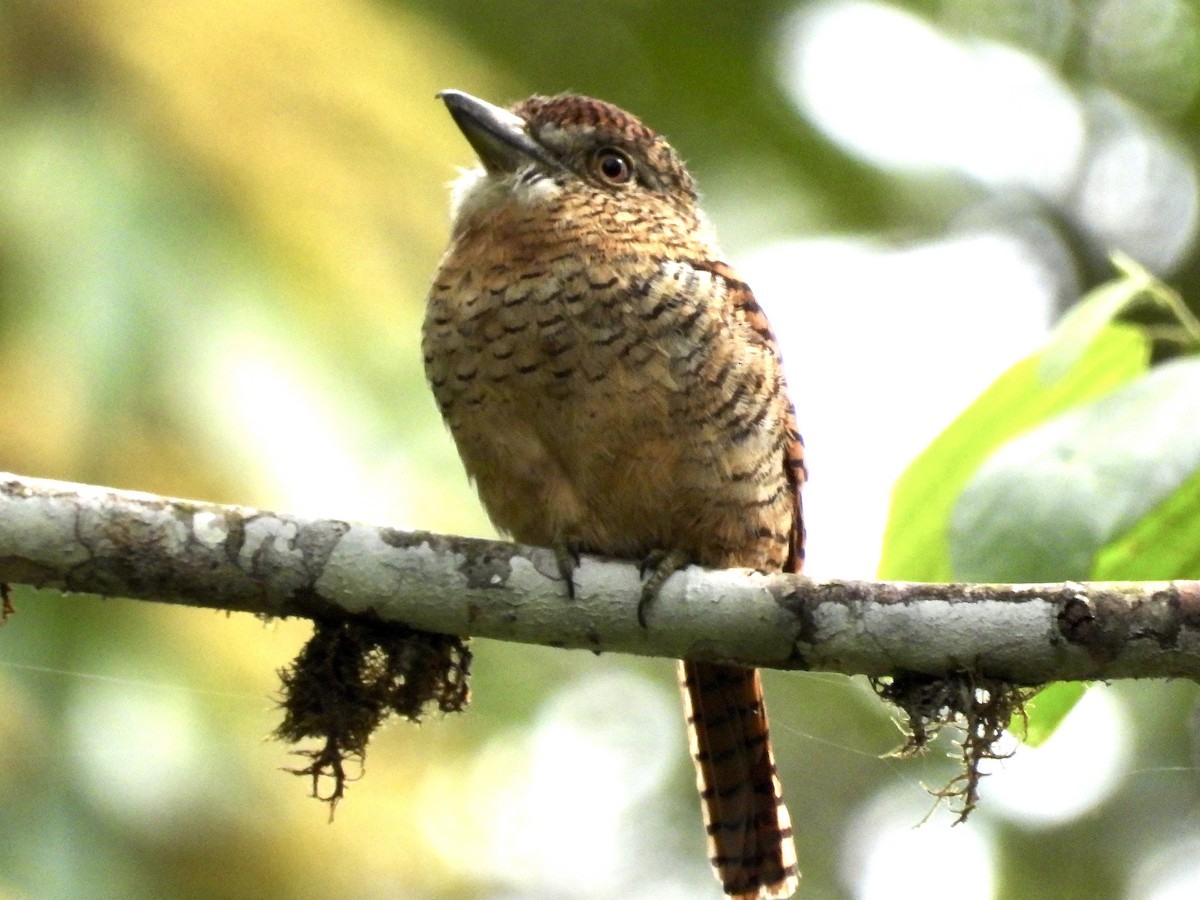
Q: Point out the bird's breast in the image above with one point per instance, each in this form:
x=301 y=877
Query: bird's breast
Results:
x=606 y=399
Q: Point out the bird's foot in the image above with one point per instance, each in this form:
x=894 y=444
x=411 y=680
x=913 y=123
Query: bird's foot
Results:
x=656 y=568
x=566 y=555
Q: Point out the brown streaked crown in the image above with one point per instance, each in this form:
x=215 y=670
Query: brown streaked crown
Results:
x=574 y=127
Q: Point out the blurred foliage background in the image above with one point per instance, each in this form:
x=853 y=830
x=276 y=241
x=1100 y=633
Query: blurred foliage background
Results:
x=217 y=222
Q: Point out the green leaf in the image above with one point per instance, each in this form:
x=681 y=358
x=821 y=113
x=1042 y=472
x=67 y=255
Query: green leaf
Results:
x=1164 y=544
x=1086 y=319
x=1089 y=359
x=916 y=545
x=1046 y=711
x=1043 y=505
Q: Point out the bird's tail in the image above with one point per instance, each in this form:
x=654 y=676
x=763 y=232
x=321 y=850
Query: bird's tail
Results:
x=749 y=830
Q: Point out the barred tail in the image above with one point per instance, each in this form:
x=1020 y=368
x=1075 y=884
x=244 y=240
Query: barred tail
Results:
x=749 y=831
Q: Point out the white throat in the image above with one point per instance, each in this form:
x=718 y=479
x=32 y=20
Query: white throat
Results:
x=476 y=190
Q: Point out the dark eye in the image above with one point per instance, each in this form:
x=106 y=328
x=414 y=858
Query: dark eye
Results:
x=614 y=166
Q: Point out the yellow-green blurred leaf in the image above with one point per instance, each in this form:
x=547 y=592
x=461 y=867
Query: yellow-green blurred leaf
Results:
x=1164 y=544
x=1046 y=711
x=1087 y=319
x=1043 y=505
x=915 y=543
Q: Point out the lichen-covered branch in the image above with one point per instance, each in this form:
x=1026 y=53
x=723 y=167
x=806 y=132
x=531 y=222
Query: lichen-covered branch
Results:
x=94 y=540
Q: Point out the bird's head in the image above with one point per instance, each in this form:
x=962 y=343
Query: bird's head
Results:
x=575 y=153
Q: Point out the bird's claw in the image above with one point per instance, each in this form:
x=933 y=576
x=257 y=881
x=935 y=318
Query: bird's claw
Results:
x=656 y=567
x=566 y=555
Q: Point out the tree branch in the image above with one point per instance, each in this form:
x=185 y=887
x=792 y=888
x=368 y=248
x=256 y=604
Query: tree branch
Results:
x=94 y=540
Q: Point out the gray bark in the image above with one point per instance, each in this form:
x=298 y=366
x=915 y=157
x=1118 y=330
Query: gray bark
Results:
x=81 y=539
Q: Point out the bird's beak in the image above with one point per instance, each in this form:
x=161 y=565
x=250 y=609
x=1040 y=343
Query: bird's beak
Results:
x=500 y=138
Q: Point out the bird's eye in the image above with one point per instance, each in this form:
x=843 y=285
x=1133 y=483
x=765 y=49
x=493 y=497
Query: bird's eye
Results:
x=614 y=166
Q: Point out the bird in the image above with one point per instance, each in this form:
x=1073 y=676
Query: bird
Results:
x=612 y=387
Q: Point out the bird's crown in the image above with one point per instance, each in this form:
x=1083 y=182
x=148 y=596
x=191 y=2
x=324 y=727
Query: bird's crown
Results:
x=542 y=144
x=605 y=144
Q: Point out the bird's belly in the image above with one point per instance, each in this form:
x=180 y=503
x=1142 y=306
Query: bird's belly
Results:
x=619 y=481
x=548 y=472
